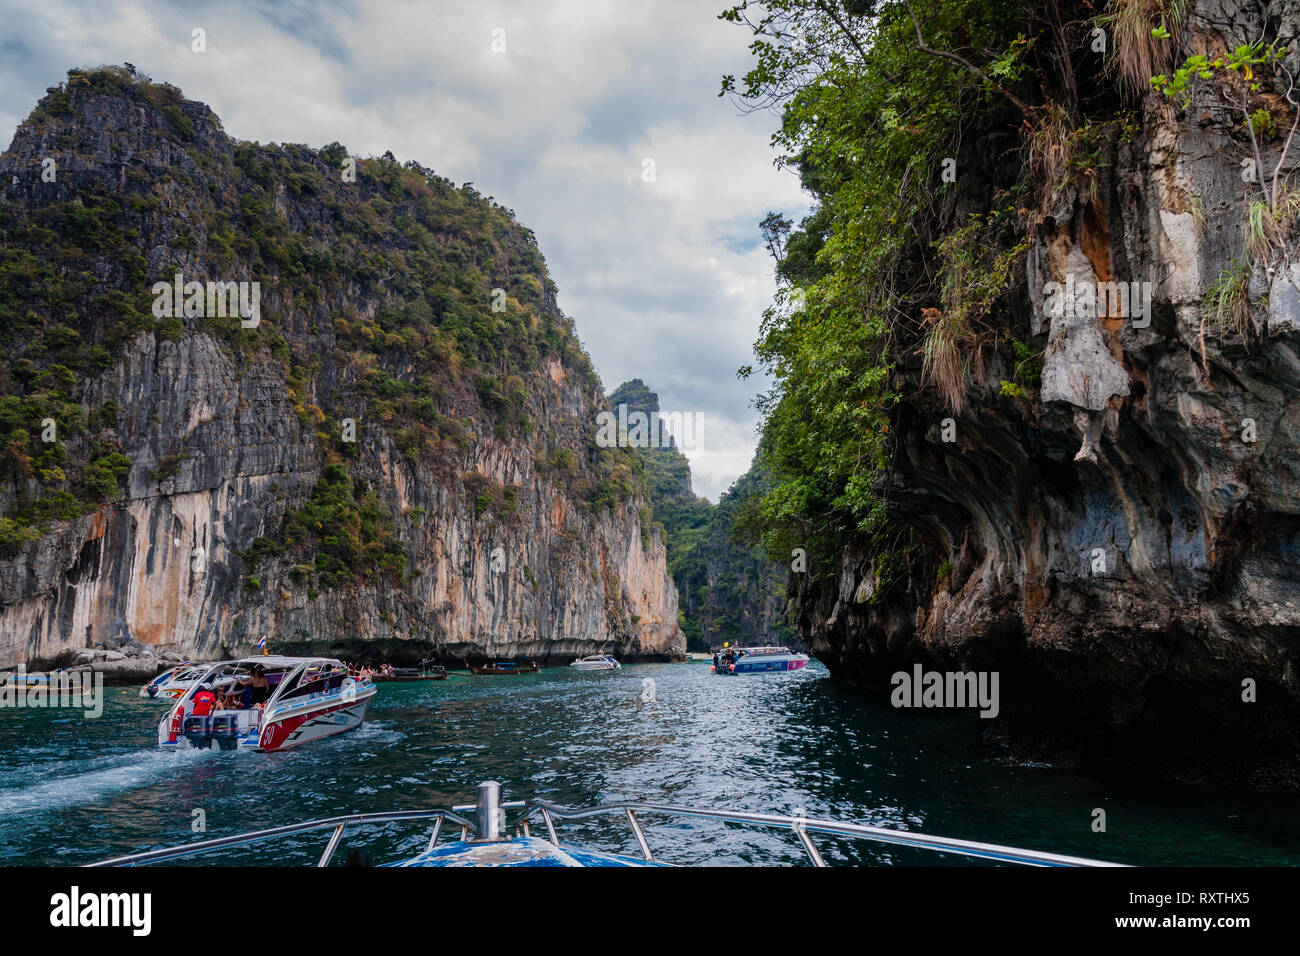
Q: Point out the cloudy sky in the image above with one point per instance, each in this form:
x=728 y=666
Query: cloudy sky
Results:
x=666 y=280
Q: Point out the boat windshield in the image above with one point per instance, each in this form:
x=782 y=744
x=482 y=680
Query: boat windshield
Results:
x=224 y=676
x=317 y=677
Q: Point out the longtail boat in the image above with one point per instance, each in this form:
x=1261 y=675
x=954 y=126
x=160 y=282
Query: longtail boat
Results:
x=427 y=670
x=504 y=669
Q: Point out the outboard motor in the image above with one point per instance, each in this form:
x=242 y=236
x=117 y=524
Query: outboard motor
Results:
x=198 y=730
x=225 y=731
x=152 y=690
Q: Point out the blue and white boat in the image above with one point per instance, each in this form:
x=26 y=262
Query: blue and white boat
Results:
x=758 y=660
x=172 y=684
x=486 y=838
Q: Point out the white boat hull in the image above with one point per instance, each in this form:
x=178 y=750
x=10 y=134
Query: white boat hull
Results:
x=284 y=730
x=596 y=664
x=166 y=691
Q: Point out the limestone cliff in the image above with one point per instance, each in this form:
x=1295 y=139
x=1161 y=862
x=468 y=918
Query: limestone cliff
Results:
x=1119 y=535
x=400 y=450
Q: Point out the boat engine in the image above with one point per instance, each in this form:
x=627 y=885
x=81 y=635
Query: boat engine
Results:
x=152 y=690
x=225 y=731
x=198 y=731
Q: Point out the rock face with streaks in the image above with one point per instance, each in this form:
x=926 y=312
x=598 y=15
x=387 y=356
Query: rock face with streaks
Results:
x=1122 y=546
x=397 y=459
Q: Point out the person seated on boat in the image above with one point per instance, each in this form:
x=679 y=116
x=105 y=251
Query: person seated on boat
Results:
x=313 y=680
x=257 y=690
x=204 y=700
x=227 y=698
x=366 y=673
x=327 y=678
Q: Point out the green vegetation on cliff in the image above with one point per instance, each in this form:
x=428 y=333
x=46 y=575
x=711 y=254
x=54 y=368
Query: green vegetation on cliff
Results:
x=898 y=281
x=388 y=296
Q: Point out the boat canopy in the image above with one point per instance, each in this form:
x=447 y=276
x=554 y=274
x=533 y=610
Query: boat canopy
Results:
x=282 y=663
x=284 y=674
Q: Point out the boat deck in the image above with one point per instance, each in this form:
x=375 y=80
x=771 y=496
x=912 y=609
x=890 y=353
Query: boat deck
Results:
x=519 y=851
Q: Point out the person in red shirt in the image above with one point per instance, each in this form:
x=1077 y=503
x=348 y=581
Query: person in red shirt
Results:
x=204 y=700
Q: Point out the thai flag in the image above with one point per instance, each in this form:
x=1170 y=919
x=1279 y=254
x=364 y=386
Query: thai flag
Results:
x=261 y=645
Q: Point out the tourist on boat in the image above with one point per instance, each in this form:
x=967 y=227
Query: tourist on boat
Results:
x=227 y=699
x=257 y=690
x=329 y=677
x=204 y=700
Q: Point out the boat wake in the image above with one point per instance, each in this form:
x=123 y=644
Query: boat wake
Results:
x=86 y=781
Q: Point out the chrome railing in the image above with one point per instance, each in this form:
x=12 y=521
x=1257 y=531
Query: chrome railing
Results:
x=802 y=826
x=338 y=824
x=490 y=822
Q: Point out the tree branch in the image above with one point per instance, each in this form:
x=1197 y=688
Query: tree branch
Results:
x=830 y=12
x=1286 y=147
x=921 y=45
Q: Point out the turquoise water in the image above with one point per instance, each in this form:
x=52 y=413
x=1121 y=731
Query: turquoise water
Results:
x=73 y=790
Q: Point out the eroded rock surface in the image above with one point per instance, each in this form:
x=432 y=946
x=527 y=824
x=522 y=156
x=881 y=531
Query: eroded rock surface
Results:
x=1117 y=547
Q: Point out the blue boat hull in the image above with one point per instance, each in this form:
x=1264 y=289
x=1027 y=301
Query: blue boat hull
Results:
x=520 y=851
x=761 y=667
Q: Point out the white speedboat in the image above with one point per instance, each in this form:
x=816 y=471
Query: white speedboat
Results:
x=596 y=662
x=171 y=684
x=306 y=698
x=758 y=660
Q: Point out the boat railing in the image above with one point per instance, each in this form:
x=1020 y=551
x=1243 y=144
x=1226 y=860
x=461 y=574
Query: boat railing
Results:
x=337 y=824
x=490 y=824
x=801 y=826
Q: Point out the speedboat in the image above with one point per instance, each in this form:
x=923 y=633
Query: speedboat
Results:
x=596 y=662
x=486 y=840
x=171 y=684
x=760 y=660
x=309 y=698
